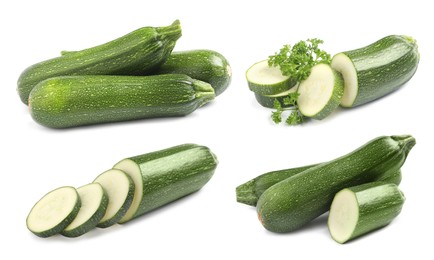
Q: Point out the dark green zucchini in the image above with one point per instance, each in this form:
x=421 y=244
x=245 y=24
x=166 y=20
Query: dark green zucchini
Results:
x=83 y=100
x=205 y=65
x=295 y=201
x=141 y=50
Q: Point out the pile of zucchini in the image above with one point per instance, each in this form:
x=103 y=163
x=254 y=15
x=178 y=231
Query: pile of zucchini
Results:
x=132 y=77
x=133 y=187
x=353 y=78
x=360 y=189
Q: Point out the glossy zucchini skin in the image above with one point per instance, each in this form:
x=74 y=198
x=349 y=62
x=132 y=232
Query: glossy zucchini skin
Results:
x=141 y=50
x=383 y=66
x=205 y=65
x=293 y=202
x=71 y=101
x=167 y=175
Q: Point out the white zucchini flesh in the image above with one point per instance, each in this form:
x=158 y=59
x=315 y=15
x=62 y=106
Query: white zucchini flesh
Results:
x=321 y=92
x=345 y=66
x=343 y=216
x=131 y=168
x=53 y=212
x=120 y=190
x=266 y=80
x=94 y=202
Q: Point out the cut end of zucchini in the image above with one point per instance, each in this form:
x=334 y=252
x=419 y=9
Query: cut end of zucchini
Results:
x=132 y=169
x=266 y=80
x=344 y=215
x=120 y=190
x=345 y=66
x=321 y=92
x=56 y=210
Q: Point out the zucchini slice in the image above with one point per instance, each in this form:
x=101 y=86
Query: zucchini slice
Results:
x=120 y=190
x=94 y=202
x=53 y=212
x=358 y=210
x=321 y=92
x=266 y=80
x=268 y=100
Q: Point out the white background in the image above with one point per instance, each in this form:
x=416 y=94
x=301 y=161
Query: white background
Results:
x=210 y=224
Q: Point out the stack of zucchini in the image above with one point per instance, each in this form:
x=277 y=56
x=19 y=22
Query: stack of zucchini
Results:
x=360 y=189
x=132 y=77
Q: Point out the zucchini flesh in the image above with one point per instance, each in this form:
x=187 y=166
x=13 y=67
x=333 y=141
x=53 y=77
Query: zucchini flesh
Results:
x=72 y=101
x=266 y=80
x=295 y=201
x=141 y=50
x=163 y=176
x=53 y=212
x=94 y=201
x=120 y=191
x=205 y=65
x=249 y=192
x=376 y=70
x=321 y=92
x=358 y=210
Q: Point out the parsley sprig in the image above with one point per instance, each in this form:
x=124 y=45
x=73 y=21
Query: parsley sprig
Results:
x=296 y=62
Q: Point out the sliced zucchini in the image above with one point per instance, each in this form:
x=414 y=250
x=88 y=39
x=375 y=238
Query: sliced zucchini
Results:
x=120 y=190
x=361 y=209
x=55 y=211
x=268 y=100
x=321 y=92
x=266 y=80
x=94 y=202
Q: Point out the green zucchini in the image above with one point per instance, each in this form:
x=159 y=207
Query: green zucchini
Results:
x=249 y=192
x=358 y=210
x=321 y=92
x=268 y=100
x=54 y=212
x=295 y=201
x=120 y=191
x=71 y=101
x=94 y=201
x=141 y=50
x=163 y=176
x=205 y=65
x=376 y=70
x=265 y=80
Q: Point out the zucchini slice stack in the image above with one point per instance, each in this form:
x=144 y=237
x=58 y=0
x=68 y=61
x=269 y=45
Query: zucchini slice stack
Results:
x=133 y=187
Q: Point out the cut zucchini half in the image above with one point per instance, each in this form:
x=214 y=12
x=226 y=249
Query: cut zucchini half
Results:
x=321 y=92
x=266 y=80
x=94 y=202
x=361 y=209
x=120 y=190
x=268 y=100
x=53 y=212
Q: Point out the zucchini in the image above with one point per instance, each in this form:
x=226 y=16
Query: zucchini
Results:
x=249 y=192
x=120 y=190
x=205 y=65
x=265 y=80
x=293 y=202
x=94 y=202
x=71 y=101
x=321 y=92
x=163 y=176
x=141 y=50
x=268 y=100
x=376 y=70
x=53 y=212
x=358 y=210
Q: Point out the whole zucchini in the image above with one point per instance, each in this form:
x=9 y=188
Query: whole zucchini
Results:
x=141 y=50
x=206 y=65
x=377 y=69
x=295 y=201
x=163 y=176
x=71 y=101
